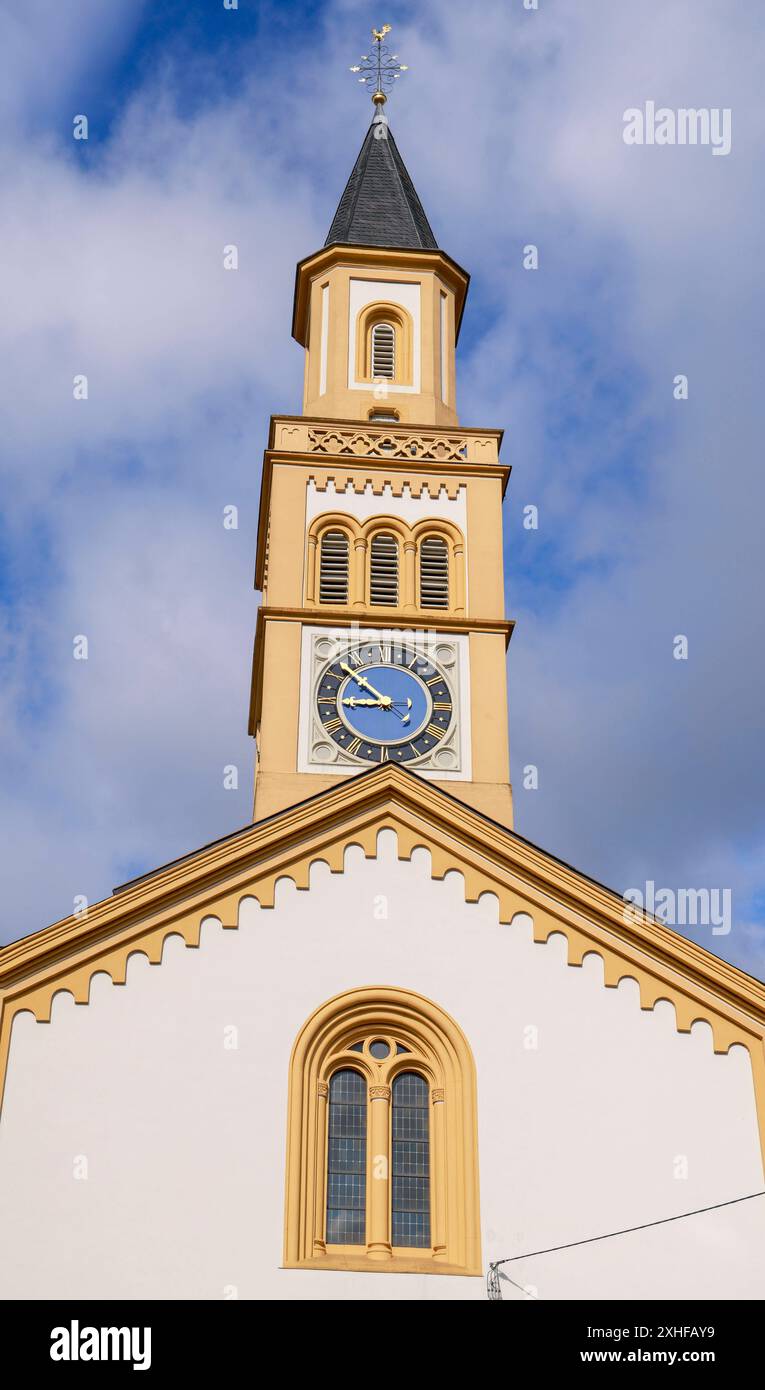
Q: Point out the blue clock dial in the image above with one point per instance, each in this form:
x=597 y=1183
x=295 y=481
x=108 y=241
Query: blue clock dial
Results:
x=384 y=703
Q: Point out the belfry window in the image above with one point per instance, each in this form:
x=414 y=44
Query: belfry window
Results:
x=434 y=573
x=384 y=351
x=334 y=568
x=383 y=570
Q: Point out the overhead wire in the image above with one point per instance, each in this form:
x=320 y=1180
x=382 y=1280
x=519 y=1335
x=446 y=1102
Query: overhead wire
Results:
x=493 y=1276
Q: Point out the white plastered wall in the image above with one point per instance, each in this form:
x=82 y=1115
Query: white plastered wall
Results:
x=184 y=1136
x=409 y=506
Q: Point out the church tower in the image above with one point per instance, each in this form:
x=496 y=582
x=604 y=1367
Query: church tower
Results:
x=382 y=634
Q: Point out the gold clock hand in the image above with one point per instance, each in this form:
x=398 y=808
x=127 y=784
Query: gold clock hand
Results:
x=386 y=700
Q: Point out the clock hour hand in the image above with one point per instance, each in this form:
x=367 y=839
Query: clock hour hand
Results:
x=355 y=702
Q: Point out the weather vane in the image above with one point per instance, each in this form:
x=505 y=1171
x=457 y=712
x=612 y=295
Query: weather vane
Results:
x=380 y=68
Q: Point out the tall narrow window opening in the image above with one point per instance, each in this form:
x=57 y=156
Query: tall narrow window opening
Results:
x=410 y=1186
x=434 y=573
x=347 y=1159
x=384 y=350
x=383 y=570
x=334 y=568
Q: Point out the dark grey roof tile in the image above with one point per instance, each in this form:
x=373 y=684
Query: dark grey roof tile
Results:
x=379 y=206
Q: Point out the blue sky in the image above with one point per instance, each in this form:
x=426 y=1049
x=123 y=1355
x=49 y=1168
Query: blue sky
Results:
x=210 y=126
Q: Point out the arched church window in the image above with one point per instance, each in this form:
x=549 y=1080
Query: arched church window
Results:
x=383 y=570
x=334 y=568
x=410 y=1171
x=434 y=572
x=382 y=1159
x=384 y=350
x=347 y=1159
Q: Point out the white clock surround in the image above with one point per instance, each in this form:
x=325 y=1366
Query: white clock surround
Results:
x=449 y=761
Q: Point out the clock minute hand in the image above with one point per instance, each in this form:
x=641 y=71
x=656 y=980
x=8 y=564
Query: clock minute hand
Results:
x=385 y=700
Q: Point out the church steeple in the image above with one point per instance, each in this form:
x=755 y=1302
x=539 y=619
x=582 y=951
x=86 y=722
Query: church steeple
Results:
x=381 y=636
x=380 y=206
x=378 y=309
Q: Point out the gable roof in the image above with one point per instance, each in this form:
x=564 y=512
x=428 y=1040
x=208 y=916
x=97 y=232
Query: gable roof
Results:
x=212 y=881
x=380 y=206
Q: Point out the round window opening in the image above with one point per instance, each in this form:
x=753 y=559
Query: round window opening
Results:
x=379 y=1049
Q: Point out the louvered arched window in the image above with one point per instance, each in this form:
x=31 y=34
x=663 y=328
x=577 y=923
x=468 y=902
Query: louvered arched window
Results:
x=410 y=1166
x=384 y=351
x=434 y=572
x=334 y=568
x=347 y=1159
x=383 y=570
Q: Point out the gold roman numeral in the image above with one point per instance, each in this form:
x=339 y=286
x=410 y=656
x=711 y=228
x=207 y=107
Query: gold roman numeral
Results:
x=436 y=729
x=332 y=725
x=353 y=746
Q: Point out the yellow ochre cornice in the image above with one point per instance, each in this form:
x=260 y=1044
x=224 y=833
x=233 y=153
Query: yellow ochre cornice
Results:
x=212 y=881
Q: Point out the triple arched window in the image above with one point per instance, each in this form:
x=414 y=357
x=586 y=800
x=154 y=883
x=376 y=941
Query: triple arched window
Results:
x=381 y=1153
x=386 y=565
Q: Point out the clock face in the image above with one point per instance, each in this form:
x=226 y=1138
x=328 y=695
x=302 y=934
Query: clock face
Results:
x=384 y=702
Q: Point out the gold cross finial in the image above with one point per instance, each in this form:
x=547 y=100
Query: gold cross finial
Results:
x=381 y=68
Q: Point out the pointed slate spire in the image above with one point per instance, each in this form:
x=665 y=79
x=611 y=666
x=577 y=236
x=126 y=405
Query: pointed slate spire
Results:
x=380 y=206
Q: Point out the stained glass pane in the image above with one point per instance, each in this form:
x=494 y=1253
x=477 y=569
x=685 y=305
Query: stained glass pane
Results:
x=347 y=1159
x=411 y=1161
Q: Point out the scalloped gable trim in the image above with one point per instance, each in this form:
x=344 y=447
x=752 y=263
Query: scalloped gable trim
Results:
x=491 y=859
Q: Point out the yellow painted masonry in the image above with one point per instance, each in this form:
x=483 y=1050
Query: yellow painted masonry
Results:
x=432 y=273
x=282 y=535
x=490 y=858
x=275 y=714
x=386 y=460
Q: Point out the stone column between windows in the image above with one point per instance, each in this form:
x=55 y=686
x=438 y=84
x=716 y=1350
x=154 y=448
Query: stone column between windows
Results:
x=310 y=585
x=378 y=1233
x=459 y=577
x=438 y=1173
x=360 y=572
x=410 y=577
x=319 y=1245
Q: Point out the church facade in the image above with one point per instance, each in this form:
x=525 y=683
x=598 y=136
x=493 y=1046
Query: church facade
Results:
x=376 y=1041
